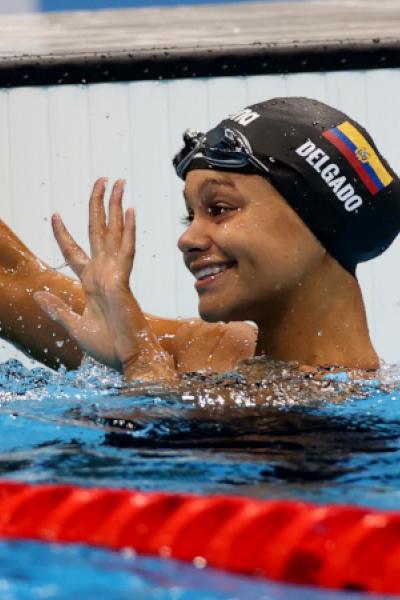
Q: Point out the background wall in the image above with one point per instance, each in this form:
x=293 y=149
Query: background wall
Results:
x=19 y=6
x=55 y=141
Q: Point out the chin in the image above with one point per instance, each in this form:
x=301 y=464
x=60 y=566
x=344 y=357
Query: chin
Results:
x=213 y=314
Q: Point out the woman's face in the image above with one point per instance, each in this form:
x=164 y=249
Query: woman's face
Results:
x=244 y=244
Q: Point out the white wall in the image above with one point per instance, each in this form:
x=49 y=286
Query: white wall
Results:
x=55 y=141
x=19 y=6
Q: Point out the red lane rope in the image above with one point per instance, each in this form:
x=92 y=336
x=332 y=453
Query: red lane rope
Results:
x=341 y=547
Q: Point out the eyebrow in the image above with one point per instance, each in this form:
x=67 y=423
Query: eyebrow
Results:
x=209 y=183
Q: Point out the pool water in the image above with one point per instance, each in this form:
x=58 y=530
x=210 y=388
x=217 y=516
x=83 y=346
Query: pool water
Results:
x=31 y=570
x=266 y=430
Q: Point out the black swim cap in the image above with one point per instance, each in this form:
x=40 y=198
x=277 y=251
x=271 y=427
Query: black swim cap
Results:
x=328 y=169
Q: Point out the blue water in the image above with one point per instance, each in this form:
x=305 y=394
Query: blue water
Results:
x=32 y=570
x=333 y=441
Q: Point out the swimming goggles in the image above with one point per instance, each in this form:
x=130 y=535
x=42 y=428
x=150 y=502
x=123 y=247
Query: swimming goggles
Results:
x=221 y=147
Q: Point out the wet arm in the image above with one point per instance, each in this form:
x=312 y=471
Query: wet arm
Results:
x=22 y=322
x=192 y=343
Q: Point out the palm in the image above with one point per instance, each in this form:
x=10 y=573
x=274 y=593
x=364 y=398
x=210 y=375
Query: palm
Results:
x=96 y=334
x=112 y=328
x=104 y=277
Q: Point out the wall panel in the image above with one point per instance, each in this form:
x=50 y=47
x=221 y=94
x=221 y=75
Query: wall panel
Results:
x=57 y=140
x=70 y=159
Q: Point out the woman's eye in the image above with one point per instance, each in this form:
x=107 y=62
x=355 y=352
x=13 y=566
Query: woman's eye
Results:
x=217 y=211
x=186 y=219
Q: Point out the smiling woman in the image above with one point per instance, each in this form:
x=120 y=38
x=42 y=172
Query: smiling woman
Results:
x=271 y=239
x=262 y=269
x=275 y=273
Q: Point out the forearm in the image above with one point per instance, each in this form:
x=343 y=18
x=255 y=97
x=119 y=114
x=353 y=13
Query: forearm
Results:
x=27 y=327
x=21 y=320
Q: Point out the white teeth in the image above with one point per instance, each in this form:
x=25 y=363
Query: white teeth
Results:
x=208 y=271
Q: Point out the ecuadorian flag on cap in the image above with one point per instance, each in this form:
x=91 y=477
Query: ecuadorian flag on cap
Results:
x=360 y=154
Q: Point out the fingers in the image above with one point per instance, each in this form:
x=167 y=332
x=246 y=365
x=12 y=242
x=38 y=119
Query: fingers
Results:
x=74 y=256
x=128 y=242
x=115 y=218
x=97 y=217
x=112 y=237
x=58 y=311
x=120 y=238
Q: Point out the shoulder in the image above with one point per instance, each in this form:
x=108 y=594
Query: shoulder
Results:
x=214 y=346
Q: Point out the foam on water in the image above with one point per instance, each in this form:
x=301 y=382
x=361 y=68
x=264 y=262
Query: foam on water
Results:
x=266 y=430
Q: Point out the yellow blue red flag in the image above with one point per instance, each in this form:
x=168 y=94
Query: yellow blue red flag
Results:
x=360 y=154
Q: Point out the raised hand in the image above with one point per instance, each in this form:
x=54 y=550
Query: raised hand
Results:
x=112 y=328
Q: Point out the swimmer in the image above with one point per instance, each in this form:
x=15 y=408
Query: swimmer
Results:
x=283 y=200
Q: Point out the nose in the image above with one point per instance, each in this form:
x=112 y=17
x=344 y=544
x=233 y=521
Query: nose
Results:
x=194 y=239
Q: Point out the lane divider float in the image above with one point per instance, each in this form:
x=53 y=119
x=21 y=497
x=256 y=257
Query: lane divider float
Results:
x=342 y=547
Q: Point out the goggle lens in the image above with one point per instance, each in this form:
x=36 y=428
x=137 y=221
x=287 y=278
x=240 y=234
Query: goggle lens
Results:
x=220 y=147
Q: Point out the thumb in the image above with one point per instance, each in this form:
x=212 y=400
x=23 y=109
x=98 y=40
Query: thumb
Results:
x=58 y=311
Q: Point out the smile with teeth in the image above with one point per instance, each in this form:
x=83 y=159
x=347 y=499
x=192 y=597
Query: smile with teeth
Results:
x=211 y=271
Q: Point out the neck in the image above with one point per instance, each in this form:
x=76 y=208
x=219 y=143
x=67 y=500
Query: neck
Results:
x=321 y=322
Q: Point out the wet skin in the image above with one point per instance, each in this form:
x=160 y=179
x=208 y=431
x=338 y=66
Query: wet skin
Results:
x=82 y=309
x=241 y=223
x=267 y=267
x=192 y=343
x=277 y=275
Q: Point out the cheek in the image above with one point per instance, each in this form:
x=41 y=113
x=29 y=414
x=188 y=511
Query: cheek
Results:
x=281 y=249
x=231 y=238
